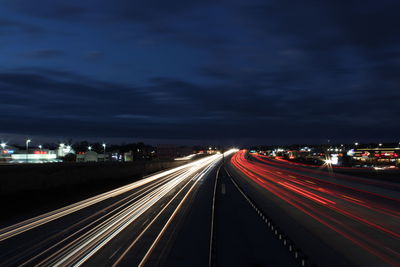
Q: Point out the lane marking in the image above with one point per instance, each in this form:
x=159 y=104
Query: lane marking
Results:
x=114 y=253
x=212 y=217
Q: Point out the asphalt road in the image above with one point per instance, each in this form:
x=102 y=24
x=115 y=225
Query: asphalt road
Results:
x=242 y=236
x=335 y=220
x=124 y=226
x=193 y=215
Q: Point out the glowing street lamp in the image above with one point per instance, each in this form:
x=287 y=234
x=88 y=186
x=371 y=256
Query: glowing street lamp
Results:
x=27 y=148
x=104 y=146
x=40 y=147
x=380 y=144
x=89 y=148
x=3 y=145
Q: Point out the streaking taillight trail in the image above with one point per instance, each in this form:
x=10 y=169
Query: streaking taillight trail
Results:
x=350 y=212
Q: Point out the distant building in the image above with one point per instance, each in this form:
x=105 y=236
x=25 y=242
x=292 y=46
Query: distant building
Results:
x=63 y=150
x=35 y=156
x=128 y=156
x=90 y=156
x=379 y=155
x=7 y=152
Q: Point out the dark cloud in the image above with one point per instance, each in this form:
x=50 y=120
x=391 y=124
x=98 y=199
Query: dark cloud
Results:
x=204 y=69
x=50 y=9
x=10 y=26
x=93 y=56
x=44 y=53
x=174 y=109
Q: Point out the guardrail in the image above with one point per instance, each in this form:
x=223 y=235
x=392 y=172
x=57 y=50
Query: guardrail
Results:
x=297 y=253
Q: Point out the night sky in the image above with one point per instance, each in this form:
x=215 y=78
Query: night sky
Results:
x=182 y=71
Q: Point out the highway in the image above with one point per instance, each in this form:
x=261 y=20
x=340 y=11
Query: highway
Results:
x=337 y=220
x=121 y=227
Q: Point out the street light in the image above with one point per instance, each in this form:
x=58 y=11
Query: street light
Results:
x=27 y=148
x=104 y=146
x=89 y=148
x=3 y=145
x=380 y=144
x=40 y=147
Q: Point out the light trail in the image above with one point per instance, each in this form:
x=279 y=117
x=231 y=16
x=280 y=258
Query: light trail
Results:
x=32 y=223
x=154 y=244
x=86 y=236
x=359 y=216
x=319 y=170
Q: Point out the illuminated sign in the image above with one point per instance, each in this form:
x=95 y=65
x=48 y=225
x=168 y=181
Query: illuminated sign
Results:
x=8 y=151
x=40 y=152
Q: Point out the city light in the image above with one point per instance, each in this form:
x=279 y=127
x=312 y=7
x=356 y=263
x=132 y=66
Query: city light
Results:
x=3 y=145
x=27 y=149
x=89 y=148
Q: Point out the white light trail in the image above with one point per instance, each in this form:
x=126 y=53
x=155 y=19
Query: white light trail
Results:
x=84 y=242
x=32 y=223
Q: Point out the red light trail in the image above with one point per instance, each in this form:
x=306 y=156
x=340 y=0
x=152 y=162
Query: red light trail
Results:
x=367 y=219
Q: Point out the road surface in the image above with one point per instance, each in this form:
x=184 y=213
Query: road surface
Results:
x=335 y=220
x=193 y=215
x=120 y=227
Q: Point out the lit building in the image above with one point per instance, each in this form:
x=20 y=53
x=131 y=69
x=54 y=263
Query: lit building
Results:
x=90 y=156
x=6 y=153
x=379 y=155
x=63 y=150
x=37 y=156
